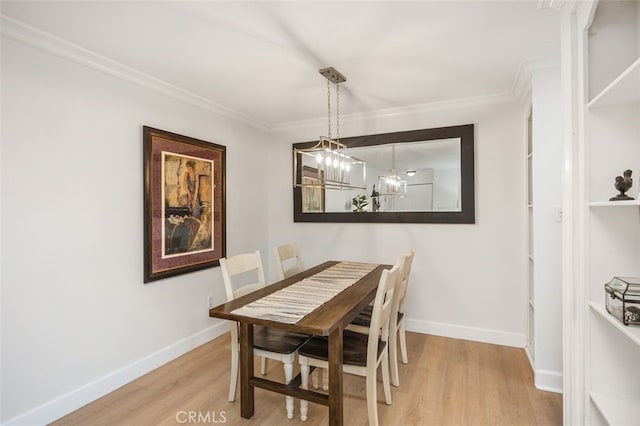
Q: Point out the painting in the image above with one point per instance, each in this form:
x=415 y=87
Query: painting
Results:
x=312 y=198
x=184 y=204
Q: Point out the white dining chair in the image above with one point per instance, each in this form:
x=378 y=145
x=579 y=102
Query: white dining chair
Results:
x=397 y=329
x=362 y=354
x=397 y=322
x=268 y=343
x=288 y=260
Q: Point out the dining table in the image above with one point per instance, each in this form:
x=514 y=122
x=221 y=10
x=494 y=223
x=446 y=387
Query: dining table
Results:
x=324 y=308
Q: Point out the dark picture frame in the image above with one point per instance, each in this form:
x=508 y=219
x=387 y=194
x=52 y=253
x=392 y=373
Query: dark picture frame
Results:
x=466 y=215
x=184 y=204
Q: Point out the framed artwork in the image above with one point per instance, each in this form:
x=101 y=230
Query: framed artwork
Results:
x=312 y=198
x=184 y=204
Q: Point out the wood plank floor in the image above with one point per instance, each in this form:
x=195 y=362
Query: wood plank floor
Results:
x=447 y=382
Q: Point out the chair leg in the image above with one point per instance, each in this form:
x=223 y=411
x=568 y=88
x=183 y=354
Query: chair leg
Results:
x=403 y=343
x=263 y=366
x=234 y=373
x=372 y=398
x=304 y=375
x=288 y=375
x=325 y=379
x=385 y=378
x=393 y=357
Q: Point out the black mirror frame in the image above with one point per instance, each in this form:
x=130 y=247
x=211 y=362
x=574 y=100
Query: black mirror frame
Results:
x=467 y=169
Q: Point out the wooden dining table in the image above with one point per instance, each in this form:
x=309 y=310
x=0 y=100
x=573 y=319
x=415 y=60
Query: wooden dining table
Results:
x=329 y=319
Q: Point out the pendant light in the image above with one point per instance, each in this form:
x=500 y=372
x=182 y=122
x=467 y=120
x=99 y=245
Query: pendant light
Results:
x=332 y=166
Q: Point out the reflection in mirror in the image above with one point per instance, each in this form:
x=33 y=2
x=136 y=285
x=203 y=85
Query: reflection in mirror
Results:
x=313 y=198
x=401 y=177
x=417 y=176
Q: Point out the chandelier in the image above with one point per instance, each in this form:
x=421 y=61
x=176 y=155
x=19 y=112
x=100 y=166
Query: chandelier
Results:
x=392 y=183
x=328 y=161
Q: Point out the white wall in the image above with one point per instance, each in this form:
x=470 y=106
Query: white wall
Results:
x=547 y=244
x=468 y=281
x=77 y=321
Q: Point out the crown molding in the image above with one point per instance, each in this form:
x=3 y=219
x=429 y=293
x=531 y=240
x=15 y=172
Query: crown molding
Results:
x=57 y=46
x=521 y=87
x=400 y=111
x=550 y=4
x=563 y=6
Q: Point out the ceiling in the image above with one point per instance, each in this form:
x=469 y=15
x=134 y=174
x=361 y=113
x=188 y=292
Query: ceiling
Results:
x=261 y=59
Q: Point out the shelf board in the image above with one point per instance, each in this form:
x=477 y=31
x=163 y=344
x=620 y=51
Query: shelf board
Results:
x=614 y=203
x=624 y=89
x=630 y=331
x=617 y=410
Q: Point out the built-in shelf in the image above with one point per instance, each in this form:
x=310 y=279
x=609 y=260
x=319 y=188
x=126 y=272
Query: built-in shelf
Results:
x=531 y=316
x=614 y=203
x=631 y=331
x=604 y=363
x=617 y=410
x=624 y=89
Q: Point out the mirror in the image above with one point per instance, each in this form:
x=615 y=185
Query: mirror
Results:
x=420 y=176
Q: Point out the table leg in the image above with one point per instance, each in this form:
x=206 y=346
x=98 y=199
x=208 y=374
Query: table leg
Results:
x=246 y=370
x=335 y=377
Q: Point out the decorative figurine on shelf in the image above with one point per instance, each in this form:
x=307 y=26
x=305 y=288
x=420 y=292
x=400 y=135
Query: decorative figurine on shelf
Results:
x=360 y=203
x=623 y=184
x=375 y=198
x=631 y=314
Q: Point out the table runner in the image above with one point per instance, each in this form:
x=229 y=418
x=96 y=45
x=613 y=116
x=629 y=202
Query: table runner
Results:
x=292 y=303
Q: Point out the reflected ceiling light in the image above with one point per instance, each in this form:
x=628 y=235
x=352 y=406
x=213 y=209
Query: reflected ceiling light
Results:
x=332 y=166
x=411 y=172
x=392 y=183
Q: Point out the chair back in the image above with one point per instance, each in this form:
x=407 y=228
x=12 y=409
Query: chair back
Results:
x=242 y=264
x=379 y=327
x=404 y=281
x=288 y=260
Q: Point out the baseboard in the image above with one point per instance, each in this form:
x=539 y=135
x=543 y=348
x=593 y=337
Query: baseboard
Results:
x=548 y=380
x=475 y=334
x=527 y=350
x=67 y=403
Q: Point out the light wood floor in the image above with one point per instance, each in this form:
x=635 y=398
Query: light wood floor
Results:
x=447 y=382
